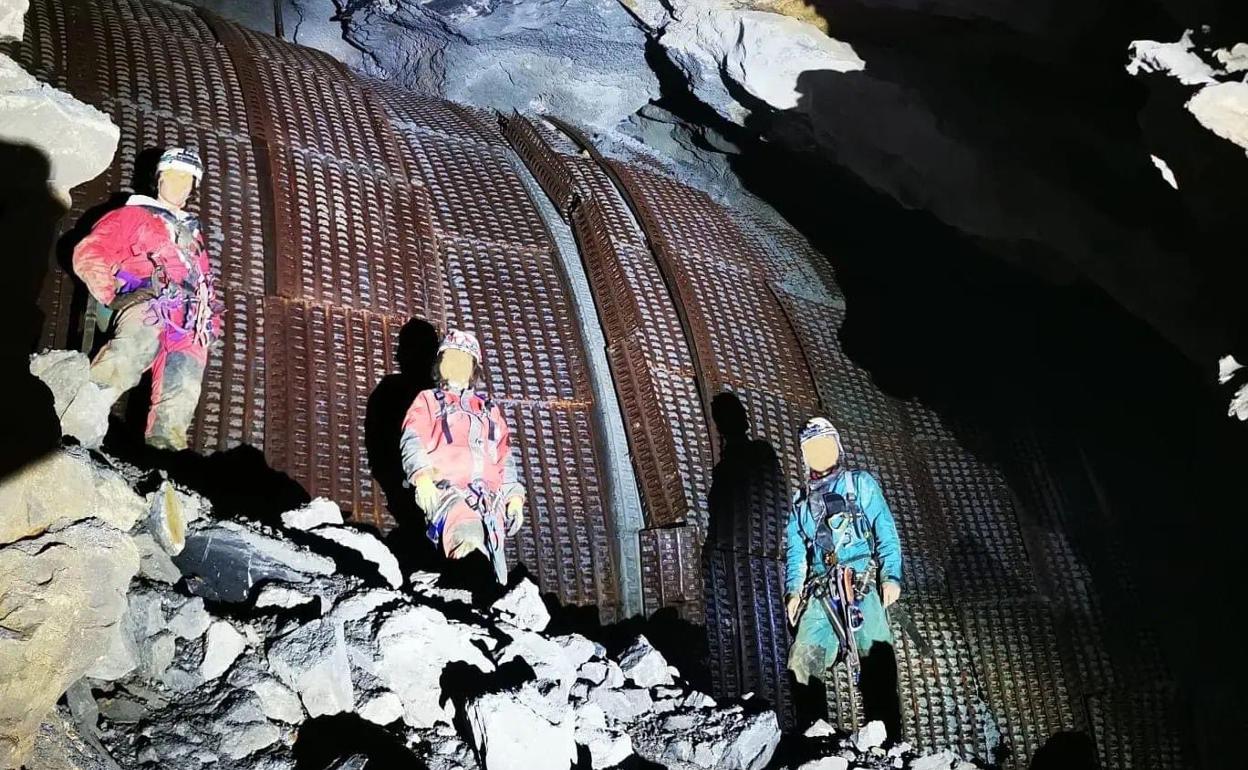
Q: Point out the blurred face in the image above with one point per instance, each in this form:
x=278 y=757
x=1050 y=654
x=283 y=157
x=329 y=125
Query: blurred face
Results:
x=174 y=187
x=821 y=453
x=456 y=367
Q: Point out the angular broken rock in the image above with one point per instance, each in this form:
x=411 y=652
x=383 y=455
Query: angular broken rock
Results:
x=382 y=709
x=312 y=660
x=607 y=748
x=522 y=606
x=278 y=595
x=78 y=139
x=820 y=729
x=154 y=561
x=870 y=736
x=940 y=761
x=191 y=620
x=61 y=596
x=826 y=763
x=221 y=648
x=60 y=488
x=227 y=560
x=166 y=520
x=368 y=546
x=522 y=729
x=81 y=406
x=644 y=665
x=316 y=513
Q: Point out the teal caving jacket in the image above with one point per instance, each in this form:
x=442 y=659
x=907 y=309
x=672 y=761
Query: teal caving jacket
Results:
x=854 y=547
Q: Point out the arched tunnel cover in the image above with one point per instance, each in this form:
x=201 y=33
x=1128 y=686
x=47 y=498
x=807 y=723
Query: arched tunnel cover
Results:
x=339 y=209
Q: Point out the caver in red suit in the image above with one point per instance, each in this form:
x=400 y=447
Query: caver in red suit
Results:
x=456 y=451
x=147 y=265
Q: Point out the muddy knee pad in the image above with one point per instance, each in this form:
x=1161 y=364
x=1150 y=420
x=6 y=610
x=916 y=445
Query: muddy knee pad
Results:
x=464 y=538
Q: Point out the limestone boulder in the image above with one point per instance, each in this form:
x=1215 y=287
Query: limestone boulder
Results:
x=61 y=596
x=78 y=139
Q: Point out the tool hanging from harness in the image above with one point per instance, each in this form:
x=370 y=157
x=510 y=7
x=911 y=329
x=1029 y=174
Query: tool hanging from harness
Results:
x=840 y=589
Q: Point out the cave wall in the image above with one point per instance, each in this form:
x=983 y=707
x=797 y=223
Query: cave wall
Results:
x=339 y=208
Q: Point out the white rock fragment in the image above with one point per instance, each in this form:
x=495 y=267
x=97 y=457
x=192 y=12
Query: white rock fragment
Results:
x=1166 y=173
x=870 y=736
x=78 y=139
x=166 y=520
x=277 y=701
x=245 y=741
x=278 y=595
x=154 y=561
x=382 y=709
x=820 y=729
x=621 y=706
x=941 y=761
x=223 y=646
x=522 y=606
x=1227 y=366
x=368 y=546
x=522 y=730
x=1223 y=109
x=826 y=763
x=1239 y=404
x=1177 y=59
x=191 y=620
x=81 y=406
x=313 y=661
x=316 y=513
x=12 y=15
x=1234 y=59
x=644 y=665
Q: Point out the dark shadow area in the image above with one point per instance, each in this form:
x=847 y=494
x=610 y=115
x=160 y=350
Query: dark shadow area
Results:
x=328 y=743
x=383 y=426
x=880 y=696
x=743 y=580
x=1066 y=751
x=29 y=216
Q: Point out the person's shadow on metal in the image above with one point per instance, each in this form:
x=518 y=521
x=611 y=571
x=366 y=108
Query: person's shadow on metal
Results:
x=742 y=569
x=415 y=354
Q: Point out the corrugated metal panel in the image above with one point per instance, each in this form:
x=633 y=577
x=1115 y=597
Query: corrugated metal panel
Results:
x=671 y=570
x=345 y=240
x=232 y=404
x=939 y=703
x=545 y=164
x=1017 y=662
x=1143 y=728
x=475 y=193
x=565 y=542
x=419 y=113
x=323 y=362
x=515 y=301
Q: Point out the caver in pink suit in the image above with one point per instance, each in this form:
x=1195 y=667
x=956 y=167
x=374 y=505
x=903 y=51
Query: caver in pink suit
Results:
x=147 y=263
x=462 y=438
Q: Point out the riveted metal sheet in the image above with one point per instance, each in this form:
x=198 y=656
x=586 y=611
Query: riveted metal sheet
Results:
x=684 y=220
x=925 y=538
x=1140 y=729
x=593 y=182
x=1015 y=652
x=191 y=80
x=516 y=302
x=777 y=421
x=323 y=362
x=351 y=237
x=747 y=634
x=617 y=307
x=671 y=570
x=419 y=113
x=43 y=50
x=553 y=138
x=476 y=194
x=681 y=408
x=232 y=404
x=312 y=111
x=844 y=700
x=650 y=438
x=171 y=19
x=564 y=542
x=992 y=560
x=547 y=167
x=316 y=63
x=940 y=707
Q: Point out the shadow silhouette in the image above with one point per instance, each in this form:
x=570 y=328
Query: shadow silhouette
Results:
x=330 y=743
x=383 y=426
x=1066 y=751
x=743 y=580
x=29 y=216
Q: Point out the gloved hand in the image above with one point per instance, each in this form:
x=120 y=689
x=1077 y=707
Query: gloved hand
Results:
x=427 y=493
x=791 y=607
x=891 y=593
x=515 y=515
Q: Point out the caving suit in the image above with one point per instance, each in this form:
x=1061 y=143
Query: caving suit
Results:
x=865 y=537
x=146 y=263
x=463 y=437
